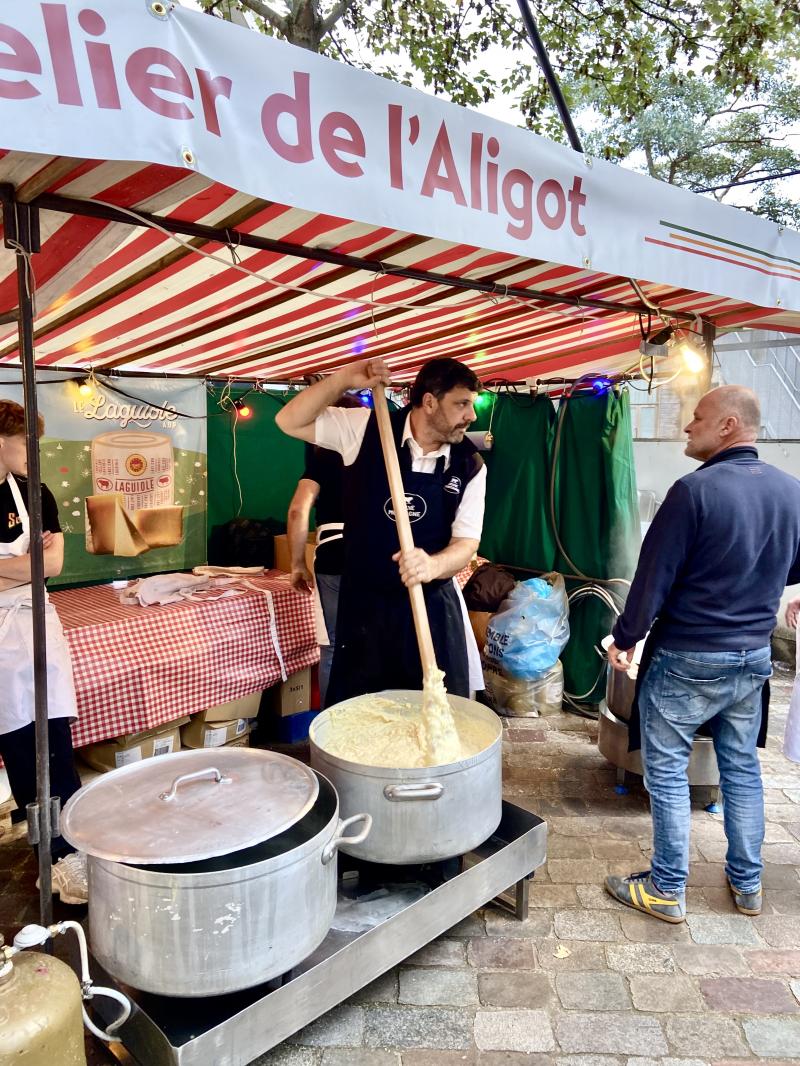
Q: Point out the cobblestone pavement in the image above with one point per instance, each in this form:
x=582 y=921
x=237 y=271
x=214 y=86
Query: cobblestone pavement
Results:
x=582 y=981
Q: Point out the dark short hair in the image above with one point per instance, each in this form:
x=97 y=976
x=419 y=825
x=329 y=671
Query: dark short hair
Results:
x=439 y=376
x=12 y=420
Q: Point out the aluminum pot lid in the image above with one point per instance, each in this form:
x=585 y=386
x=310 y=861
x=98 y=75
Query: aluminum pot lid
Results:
x=189 y=806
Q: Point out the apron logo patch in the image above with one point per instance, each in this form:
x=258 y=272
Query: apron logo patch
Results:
x=417 y=507
x=453 y=485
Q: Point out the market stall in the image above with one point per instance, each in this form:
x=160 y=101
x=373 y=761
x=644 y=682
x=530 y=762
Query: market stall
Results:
x=204 y=244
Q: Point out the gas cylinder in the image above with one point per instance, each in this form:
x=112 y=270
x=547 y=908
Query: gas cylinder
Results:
x=40 y=1012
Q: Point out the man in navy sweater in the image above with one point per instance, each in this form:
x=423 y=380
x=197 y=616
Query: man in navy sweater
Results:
x=715 y=561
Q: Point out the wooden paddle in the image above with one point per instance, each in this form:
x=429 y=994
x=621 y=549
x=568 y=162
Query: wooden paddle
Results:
x=418 y=608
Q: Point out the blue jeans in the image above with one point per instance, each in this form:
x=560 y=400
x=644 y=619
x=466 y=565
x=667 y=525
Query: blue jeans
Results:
x=328 y=585
x=680 y=691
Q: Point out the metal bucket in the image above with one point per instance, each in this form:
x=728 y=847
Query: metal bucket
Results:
x=422 y=814
x=612 y=739
x=225 y=923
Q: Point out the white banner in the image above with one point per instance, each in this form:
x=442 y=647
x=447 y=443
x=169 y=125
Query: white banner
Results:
x=109 y=79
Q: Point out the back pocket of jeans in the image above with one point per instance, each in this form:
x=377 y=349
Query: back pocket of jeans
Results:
x=690 y=699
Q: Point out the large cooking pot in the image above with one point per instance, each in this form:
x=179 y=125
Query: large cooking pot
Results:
x=422 y=814
x=612 y=737
x=209 y=871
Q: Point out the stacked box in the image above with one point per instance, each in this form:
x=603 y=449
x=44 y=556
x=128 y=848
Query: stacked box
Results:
x=203 y=734
x=133 y=747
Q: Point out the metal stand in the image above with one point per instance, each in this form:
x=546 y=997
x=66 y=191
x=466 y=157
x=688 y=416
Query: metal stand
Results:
x=233 y=1030
x=21 y=229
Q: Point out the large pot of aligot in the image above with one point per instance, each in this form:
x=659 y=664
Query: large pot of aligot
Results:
x=211 y=870
x=425 y=813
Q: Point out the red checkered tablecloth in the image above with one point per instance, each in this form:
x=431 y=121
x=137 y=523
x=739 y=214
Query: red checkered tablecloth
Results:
x=138 y=667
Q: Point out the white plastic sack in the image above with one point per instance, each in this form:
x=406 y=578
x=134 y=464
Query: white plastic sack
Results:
x=526 y=636
x=518 y=698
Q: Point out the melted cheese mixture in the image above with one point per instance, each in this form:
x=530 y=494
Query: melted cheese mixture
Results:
x=378 y=731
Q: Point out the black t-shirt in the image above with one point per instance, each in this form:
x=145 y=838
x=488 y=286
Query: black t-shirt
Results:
x=325 y=467
x=10 y=523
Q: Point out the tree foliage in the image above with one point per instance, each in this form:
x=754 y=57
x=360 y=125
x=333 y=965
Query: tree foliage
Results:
x=698 y=136
x=625 y=45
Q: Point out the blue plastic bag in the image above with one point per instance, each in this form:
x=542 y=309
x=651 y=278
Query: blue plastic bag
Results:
x=525 y=637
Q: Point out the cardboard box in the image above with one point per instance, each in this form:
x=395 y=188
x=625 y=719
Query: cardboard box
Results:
x=200 y=734
x=290 y=696
x=133 y=747
x=241 y=742
x=480 y=622
x=244 y=707
x=283 y=558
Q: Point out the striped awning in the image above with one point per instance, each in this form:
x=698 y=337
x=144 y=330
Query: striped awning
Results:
x=119 y=295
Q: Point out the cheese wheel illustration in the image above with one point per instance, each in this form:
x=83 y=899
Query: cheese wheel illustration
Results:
x=136 y=464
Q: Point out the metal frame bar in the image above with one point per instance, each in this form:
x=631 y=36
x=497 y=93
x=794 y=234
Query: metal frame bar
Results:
x=21 y=226
x=227 y=237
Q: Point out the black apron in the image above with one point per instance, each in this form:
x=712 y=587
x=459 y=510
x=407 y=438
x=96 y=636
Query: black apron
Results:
x=376 y=645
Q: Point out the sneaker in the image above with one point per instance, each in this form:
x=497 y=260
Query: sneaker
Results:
x=639 y=892
x=746 y=902
x=70 y=880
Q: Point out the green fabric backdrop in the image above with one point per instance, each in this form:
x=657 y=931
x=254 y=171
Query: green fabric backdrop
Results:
x=517 y=528
x=269 y=463
x=598 y=521
x=596 y=505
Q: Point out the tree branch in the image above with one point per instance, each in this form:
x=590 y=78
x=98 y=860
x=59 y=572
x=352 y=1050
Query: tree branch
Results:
x=276 y=20
x=333 y=16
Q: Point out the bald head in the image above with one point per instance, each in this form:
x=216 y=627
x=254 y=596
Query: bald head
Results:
x=724 y=417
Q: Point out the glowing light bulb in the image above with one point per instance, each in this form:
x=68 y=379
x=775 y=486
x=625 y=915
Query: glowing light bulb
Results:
x=692 y=359
x=85 y=389
x=245 y=411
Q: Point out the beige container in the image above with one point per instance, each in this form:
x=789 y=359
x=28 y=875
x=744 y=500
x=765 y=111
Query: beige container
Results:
x=244 y=707
x=133 y=747
x=282 y=559
x=137 y=464
x=292 y=695
x=200 y=734
x=40 y=1013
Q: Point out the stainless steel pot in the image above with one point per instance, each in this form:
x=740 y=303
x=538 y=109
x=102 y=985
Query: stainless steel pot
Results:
x=226 y=922
x=422 y=814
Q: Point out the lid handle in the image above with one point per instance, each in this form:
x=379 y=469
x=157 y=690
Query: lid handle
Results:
x=210 y=771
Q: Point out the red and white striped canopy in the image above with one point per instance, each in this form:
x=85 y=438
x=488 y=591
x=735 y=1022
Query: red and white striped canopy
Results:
x=136 y=298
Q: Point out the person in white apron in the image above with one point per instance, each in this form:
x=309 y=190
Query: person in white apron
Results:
x=17 y=712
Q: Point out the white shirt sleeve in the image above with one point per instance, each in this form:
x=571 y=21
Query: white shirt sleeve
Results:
x=469 y=516
x=342 y=429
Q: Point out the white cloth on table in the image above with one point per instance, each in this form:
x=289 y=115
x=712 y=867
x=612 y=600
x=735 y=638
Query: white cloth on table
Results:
x=228 y=571
x=164 y=588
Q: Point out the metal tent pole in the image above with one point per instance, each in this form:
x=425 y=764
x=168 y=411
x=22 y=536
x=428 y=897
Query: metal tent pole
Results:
x=21 y=225
x=549 y=74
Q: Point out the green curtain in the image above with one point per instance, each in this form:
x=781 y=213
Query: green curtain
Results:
x=268 y=462
x=598 y=521
x=517 y=528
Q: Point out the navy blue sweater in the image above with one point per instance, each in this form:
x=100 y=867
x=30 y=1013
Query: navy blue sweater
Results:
x=722 y=547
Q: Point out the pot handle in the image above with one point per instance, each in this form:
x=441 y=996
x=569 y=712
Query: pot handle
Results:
x=183 y=779
x=339 y=837
x=431 y=790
